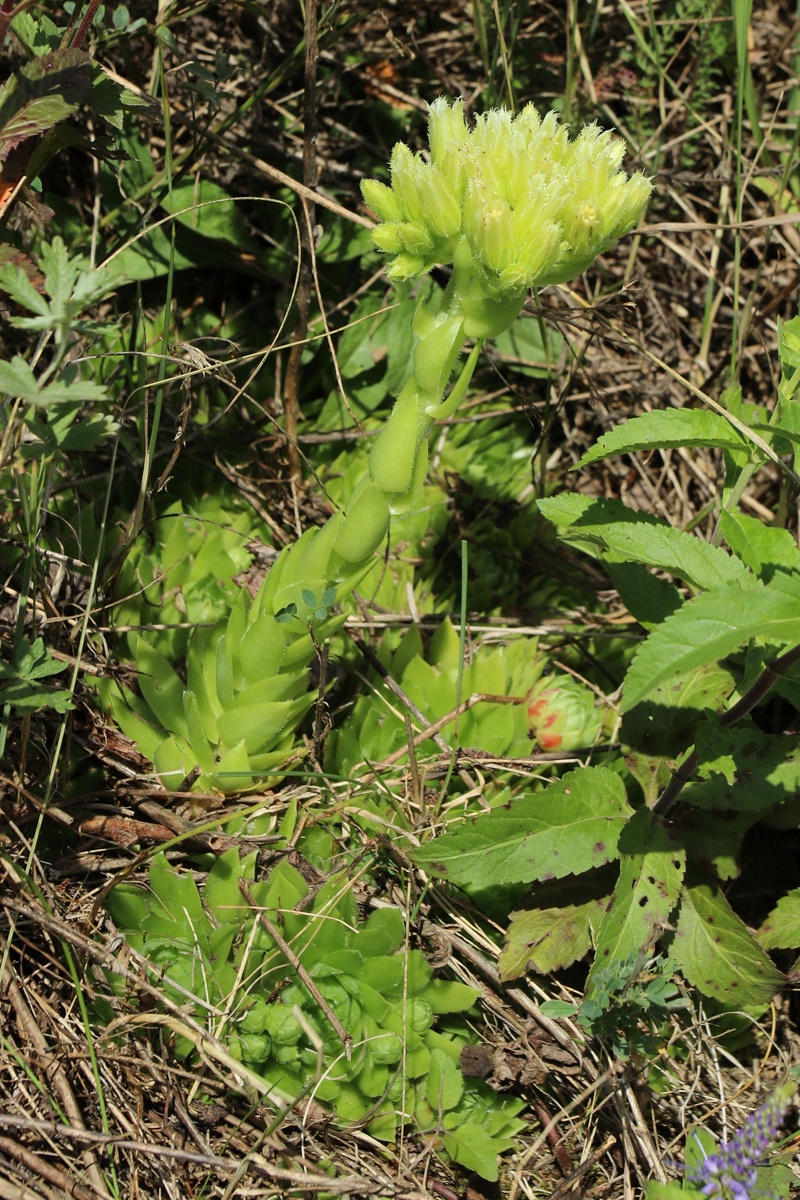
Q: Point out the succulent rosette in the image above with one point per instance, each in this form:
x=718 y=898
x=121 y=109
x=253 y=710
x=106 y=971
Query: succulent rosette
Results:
x=511 y=204
x=562 y=714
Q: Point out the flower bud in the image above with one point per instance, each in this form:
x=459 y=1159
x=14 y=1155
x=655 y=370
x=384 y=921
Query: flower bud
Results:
x=382 y=200
x=446 y=127
x=562 y=714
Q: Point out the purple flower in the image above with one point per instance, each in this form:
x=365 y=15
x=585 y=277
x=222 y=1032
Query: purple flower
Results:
x=731 y=1172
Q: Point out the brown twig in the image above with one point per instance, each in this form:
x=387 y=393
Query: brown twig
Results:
x=48 y=1171
x=43 y=1056
x=568 y=1184
x=298 y=1179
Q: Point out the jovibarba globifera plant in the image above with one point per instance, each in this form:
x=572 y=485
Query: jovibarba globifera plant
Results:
x=508 y=205
x=318 y=1002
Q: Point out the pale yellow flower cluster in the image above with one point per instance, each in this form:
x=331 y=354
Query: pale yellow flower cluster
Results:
x=512 y=201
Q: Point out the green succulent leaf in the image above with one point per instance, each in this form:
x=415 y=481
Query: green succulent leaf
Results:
x=444 y=1086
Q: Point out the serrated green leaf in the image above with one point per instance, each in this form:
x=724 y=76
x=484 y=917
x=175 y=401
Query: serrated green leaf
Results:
x=709 y=627
x=15 y=279
x=612 y=531
x=652 y=866
x=570 y=827
x=717 y=954
x=760 y=547
x=42 y=93
x=548 y=939
x=781 y=930
x=27 y=697
x=18 y=380
x=663 y=430
x=742 y=769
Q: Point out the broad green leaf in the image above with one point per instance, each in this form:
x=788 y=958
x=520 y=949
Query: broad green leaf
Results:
x=714 y=839
x=670 y=1191
x=709 y=627
x=207 y=209
x=648 y=599
x=718 y=955
x=699 y=1144
x=651 y=872
x=472 y=1147
x=761 y=547
x=548 y=939
x=663 y=430
x=610 y=530
x=570 y=827
x=664 y=725
x=444 y=1086
x=742 y=769
x=781 y=930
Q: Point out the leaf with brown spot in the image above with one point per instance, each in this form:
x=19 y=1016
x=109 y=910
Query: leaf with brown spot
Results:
x=717 y=953
x=580 y=816
x=548 y=939
x=649 y=885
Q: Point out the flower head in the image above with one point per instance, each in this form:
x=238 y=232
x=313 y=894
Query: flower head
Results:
x=513 y=198
x=730 y=1174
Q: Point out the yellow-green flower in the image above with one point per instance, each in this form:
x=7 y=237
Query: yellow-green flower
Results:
x=511 y=203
